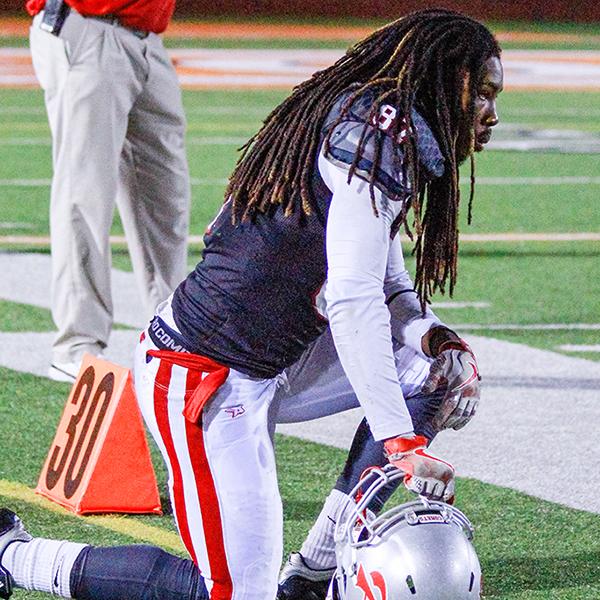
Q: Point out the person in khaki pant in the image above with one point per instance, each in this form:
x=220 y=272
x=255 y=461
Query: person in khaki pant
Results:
x=117 y=122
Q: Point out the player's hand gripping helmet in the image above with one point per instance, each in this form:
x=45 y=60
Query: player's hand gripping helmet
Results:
x=416 y=551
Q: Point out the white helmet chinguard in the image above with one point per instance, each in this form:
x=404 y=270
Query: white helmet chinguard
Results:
x=420 y=550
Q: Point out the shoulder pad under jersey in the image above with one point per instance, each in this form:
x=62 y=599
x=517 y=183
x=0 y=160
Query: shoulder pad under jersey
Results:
x=345 y=138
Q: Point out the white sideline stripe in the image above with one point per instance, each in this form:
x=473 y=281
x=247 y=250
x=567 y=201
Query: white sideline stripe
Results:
x=200 y=181
x=264 y=110
x=21 y=225
x=216 y=141
x=529 y=327
x=451 y=304
x=22 y=110
x=25 y=182
x=196 y=110
x=531 y=237
x=552 y=112
x=25 y=141
x=42 y=240
x=191 y=141
x=579 y=347
x=566 y=180
x=48 y=182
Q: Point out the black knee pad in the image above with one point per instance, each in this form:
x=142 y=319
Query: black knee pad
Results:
x=135 y=573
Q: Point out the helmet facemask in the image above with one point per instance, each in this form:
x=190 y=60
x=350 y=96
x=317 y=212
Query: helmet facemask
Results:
x=420 y=550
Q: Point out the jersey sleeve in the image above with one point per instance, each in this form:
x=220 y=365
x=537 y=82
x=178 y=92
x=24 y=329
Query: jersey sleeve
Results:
x=408 y=323
x=357 y=247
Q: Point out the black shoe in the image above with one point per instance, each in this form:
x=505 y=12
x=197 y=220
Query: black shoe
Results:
x=299 y=582
x=6 y=585
x=11 y=530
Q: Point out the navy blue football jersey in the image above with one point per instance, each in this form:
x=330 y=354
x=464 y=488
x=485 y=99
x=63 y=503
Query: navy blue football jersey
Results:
x=249 y=304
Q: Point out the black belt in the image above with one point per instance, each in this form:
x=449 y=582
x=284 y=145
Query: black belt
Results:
x=164 y=337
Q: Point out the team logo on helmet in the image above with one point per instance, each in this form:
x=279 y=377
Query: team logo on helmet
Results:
x=368 y=587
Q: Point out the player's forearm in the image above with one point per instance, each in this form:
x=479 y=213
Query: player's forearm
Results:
x=408 y=324
x=359 y=323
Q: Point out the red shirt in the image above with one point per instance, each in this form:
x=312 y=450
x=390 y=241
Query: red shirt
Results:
x=148 y=15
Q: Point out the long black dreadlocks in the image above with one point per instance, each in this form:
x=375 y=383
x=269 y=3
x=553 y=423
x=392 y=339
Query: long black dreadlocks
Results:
x=427 y=60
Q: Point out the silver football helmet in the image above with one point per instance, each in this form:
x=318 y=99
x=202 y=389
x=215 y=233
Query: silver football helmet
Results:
x=420 y=550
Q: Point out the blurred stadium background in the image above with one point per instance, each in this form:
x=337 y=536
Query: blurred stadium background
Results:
x=581 y=11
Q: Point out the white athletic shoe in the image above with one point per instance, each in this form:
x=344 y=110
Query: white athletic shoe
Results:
x=64 y=371
x=11 y=530
x=298 y=581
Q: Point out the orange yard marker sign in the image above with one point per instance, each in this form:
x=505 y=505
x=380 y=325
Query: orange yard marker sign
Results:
x=99 y=460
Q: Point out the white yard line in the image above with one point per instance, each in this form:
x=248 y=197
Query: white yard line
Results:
x=553 y=112
x=42 y=240
x=565 y=180
x=25 y=182
x=216 y=141
x=20 y=225
x=254 y=111
x=495 y=181
x=590 y=236
x=261 y=111
x=191 y=141
x=264 y=110
x=48 y=182
x=25 y=141
x=22 y=110
x=528 y=327
x=579 y=347
x=452 y=304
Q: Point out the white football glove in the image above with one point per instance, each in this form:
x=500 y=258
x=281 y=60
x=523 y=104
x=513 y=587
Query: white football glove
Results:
x=456 y=368
x=425 y=474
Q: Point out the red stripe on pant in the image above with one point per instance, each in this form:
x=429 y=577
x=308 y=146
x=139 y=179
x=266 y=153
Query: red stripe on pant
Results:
x=211 y=514
x=161 y=410
x=205 y=488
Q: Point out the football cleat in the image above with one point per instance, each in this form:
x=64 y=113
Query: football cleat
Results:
x=69 y=370
x=5 y=583
x=299 y=582
x=11 y=530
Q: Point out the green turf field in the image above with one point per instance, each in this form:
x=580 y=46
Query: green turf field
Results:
x=529 y=549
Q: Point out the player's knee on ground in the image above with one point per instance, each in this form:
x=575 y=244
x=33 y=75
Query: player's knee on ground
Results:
x=136 y=573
